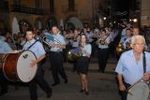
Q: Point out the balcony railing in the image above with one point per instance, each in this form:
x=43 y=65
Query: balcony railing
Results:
x=28 y=10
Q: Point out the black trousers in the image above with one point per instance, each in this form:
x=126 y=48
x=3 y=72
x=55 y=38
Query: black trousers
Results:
x=56 y=61
x=3 y=83
x=124 y=93
x=103 y=55
x=39 y=79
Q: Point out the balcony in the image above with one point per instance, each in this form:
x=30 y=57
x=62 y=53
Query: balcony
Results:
x=25 y=9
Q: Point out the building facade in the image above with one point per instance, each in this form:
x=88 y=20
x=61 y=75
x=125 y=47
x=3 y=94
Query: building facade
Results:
x=18 y=15
x=145 y=13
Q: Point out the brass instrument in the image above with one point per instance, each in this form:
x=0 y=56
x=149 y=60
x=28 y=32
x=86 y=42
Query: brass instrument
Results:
x=74 y=54
x=49 y=40
x=69 y=36
x=102 y=42
x=128 y=45
x=119 y=49
x=45 y=40
x=103 y=39
x=95 y=36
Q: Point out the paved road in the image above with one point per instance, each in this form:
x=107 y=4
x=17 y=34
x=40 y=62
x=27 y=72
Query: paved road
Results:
x=102 y=86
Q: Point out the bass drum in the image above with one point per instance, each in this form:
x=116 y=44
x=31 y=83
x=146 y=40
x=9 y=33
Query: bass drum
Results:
x=139 y=91
x=16 y=66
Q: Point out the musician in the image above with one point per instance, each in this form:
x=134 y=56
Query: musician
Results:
x=75 y=44
x=136 y=31
x=56 y=56
x=4 y=48
x=130 y=65
x=89 y=34
x=36 y=47
x=83 y=63
x=124 y=43
x=103 y=50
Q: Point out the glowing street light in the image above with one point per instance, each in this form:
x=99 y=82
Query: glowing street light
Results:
x=104 y=18
x=135 y=20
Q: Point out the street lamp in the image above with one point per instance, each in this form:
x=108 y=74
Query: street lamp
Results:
x=135 y=20
x=104 y=18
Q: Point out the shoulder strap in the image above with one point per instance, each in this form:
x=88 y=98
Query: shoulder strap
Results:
x=144 y=62
x=32 y=44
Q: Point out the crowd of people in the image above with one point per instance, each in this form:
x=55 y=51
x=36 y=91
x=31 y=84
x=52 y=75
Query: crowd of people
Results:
x=99 y=43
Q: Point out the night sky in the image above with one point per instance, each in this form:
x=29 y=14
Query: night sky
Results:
x=122 y=5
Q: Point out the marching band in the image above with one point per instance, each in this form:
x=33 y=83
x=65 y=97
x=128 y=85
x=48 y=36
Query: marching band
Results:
x=81 y=44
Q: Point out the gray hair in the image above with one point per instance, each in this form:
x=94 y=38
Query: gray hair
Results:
x=137 y=37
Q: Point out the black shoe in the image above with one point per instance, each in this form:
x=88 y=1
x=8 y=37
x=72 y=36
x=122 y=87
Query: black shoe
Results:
x=54 y=84
x=66 y=81
x=82 y=90
x=87 y=93
x=49 y=94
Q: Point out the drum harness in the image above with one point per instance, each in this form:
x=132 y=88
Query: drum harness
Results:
x=31 y=44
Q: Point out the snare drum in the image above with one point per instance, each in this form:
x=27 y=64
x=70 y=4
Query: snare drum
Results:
x=16 y=66
x=140 y=91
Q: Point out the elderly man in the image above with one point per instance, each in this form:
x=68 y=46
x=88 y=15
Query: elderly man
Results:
x=130 y=65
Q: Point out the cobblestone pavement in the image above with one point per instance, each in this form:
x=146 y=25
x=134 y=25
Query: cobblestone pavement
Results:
x=102 y=86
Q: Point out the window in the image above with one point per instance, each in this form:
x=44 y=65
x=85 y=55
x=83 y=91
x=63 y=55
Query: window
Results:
x=51 y=6
x=17 y=2
x=71 y=5
x=38 y=3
